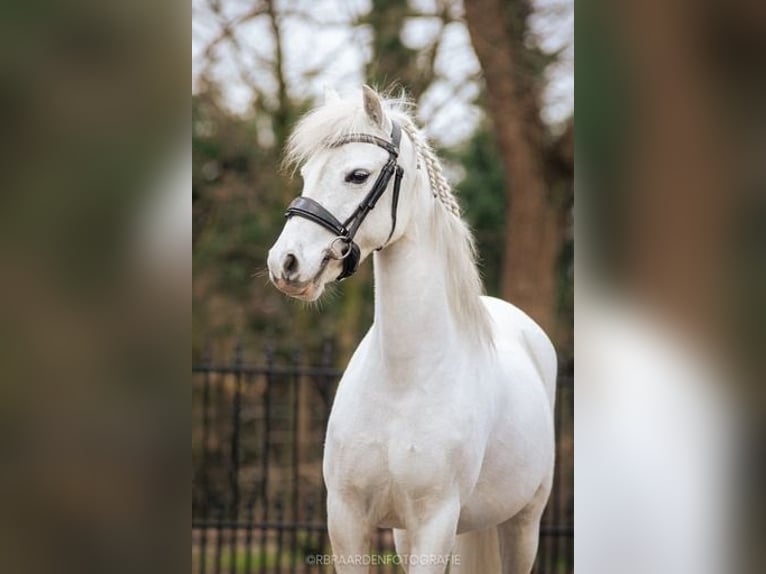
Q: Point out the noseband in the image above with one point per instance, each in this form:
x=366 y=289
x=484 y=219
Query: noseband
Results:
x=313 y=211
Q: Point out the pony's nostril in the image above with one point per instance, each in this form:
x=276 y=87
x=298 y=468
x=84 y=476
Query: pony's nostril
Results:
x=289 y=265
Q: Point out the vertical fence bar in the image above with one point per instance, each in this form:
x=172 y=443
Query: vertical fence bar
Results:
x=234 y=458
x=219 y=530
x=325 y=382
x=280 y=508
x=265 y=457
x=569 y=540
x=221 y=454
x=249 y=525
x=310 y=536
x=295 y=493
x=249 y=387
x=543 y=551
x=558 y=485
x=206 y=362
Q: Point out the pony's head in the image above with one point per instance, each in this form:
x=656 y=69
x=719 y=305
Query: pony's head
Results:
x=352 y=156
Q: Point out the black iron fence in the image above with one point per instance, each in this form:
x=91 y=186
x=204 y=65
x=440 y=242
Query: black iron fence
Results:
x=258 y=502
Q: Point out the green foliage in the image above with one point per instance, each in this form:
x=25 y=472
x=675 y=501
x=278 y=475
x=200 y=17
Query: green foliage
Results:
x=606 y=109
x=232 y=189
x=239 y=196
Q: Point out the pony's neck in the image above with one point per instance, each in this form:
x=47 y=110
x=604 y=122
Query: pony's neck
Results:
x=427 y=286
x=413 y=320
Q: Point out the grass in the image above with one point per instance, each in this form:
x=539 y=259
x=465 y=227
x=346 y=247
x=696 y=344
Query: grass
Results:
x=258 y=559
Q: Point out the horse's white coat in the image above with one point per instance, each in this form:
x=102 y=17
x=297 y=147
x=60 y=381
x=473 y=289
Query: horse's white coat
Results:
x=443 y=421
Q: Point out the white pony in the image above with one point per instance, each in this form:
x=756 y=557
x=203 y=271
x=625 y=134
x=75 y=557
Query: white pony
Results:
x=442 y=426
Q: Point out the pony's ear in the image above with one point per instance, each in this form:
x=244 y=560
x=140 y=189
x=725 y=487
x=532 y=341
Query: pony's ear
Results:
x=330 y=95
x=372 y=106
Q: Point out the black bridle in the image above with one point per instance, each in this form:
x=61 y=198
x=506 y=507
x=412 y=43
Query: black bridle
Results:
x=313 y=211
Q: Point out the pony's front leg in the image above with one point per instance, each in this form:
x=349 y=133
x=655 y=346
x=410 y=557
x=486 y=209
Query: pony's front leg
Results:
x=349 y=532
x=433 y=539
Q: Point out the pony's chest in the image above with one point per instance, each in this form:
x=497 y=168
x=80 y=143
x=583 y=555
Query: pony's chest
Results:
x=388 y=446
x=374 y=421
x=385 y=473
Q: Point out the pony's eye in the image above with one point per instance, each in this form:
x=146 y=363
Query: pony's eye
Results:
x=357 y=176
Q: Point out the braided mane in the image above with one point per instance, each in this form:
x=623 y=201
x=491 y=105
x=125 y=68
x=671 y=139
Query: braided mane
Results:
x=440 y=188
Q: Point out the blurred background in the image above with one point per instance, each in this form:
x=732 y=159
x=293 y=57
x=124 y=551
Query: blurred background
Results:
x=94 y=234
x=491 y=83
x=259 y=65
x=671 y=278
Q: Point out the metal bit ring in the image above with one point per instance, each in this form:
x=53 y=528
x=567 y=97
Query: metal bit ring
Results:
x=332 y=251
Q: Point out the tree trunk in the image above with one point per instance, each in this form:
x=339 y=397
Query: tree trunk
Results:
x=532 y=236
